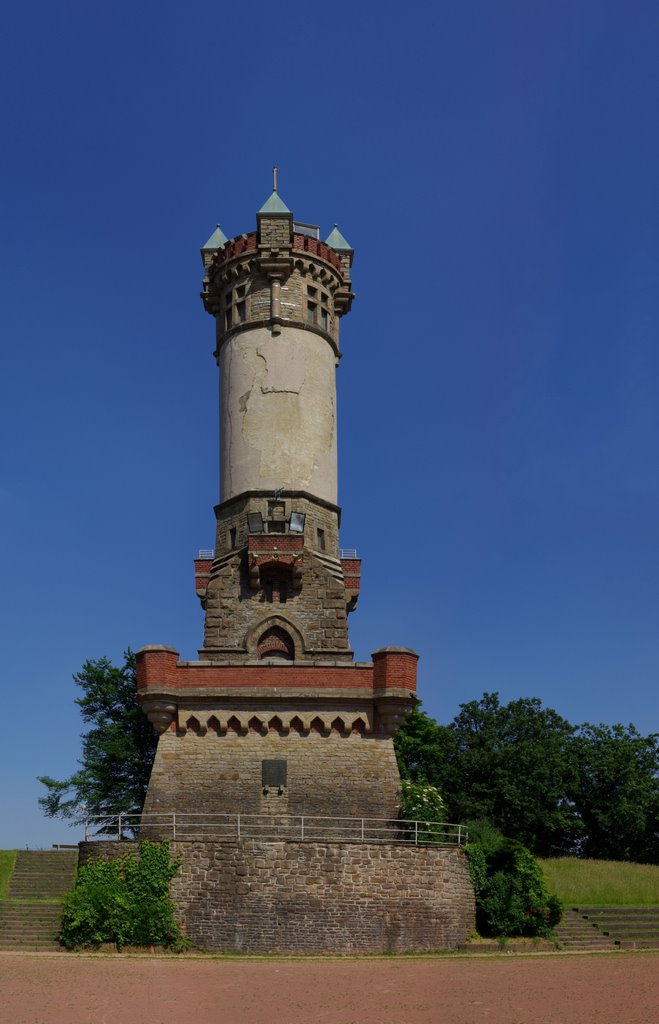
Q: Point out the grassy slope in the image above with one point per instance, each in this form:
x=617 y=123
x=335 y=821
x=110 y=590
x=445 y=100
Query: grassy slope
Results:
x=7 y=861
x=602 y=883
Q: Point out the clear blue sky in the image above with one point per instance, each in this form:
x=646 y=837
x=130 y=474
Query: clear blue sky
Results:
x=496 y=167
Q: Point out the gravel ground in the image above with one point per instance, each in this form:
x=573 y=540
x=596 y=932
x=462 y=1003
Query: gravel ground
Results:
x=76 y=989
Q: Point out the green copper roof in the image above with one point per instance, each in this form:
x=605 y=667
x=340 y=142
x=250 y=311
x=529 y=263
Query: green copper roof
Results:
x=337 y=241
x=216 y=240
x=274 y=205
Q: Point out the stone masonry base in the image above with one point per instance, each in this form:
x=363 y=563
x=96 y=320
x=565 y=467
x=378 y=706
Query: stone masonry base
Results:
x=317 y=897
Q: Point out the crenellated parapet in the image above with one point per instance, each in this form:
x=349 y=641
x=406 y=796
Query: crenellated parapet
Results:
x=277 y=277
x=331 y=724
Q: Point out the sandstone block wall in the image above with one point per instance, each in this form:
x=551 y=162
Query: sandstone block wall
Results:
x=317 y=610
x=293 y=897
x=232 y=514
x=336 y=775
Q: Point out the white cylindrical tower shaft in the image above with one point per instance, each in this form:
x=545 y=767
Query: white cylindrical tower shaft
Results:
x=277 y=413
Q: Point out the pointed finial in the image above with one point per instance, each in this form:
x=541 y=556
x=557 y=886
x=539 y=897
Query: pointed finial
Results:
x=275 y=175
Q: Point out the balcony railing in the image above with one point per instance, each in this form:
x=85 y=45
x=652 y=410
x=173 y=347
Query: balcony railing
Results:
x=209 y=553
x=300 y=828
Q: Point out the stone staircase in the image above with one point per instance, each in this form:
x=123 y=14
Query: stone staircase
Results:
x=627 y=927
x=576 y=932
x=587 y=930
x=31 y=913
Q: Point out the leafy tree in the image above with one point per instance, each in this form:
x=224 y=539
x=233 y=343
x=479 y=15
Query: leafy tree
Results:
x=420 y=749
x=117 y=751
x=513 y=765
x=618 y=793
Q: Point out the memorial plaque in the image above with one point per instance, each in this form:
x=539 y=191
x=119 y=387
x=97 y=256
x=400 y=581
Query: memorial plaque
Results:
x=273 y=773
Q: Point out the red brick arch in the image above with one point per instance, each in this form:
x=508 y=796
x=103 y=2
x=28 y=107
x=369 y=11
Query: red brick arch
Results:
x=277 y=643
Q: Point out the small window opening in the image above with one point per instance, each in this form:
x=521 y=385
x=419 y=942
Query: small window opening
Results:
x=276 y=643
x=276 y=510
x=320 y=539
x=311 y=312
x=241 y=312
x=232 y=536
x=324 y=319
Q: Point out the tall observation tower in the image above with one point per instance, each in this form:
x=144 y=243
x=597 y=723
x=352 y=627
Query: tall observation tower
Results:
x=276 y=715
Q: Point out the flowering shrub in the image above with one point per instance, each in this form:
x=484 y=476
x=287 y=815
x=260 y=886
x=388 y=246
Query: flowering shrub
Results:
x=422 y=802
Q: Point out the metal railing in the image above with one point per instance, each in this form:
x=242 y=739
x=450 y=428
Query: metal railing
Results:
x=301 y=828
x=210 y=553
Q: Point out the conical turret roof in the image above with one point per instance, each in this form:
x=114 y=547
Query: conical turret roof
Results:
x=336 y=240
x=274 y=204
x=216 y=240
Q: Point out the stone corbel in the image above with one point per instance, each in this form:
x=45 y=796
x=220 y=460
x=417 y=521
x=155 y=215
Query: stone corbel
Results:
x=160 y=713
x=391 y=715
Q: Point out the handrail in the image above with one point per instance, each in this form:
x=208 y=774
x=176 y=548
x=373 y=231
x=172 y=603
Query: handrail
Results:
x=204 y=554
x=301 y=828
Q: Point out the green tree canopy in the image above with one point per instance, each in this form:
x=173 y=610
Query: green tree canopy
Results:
x=512 y=764
x=592 y=790
x=117 y=751
x=618 y=793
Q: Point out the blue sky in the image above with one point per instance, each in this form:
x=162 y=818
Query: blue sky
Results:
x=495 y=167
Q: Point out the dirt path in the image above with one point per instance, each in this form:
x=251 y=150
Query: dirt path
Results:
x=68 y=989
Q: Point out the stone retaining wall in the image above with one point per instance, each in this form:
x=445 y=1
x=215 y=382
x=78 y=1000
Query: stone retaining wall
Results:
x=311 y=897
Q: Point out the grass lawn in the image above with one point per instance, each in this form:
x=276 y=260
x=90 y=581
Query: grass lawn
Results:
x=602 y=883
x=7 y=861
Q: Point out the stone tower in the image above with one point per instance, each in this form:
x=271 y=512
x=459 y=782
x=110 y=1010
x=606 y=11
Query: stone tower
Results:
x=276 y=716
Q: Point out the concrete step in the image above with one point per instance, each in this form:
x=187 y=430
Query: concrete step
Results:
x=634 y=933
x=619 y=911
x=625 y=924
x=577 y=933
x=29 y=915
x=638 y=943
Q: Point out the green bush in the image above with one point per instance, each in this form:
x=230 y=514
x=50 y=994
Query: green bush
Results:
x=511 y=895
x=123 y=901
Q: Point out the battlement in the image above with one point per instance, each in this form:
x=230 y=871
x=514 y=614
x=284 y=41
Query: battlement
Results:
x=388 y=683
